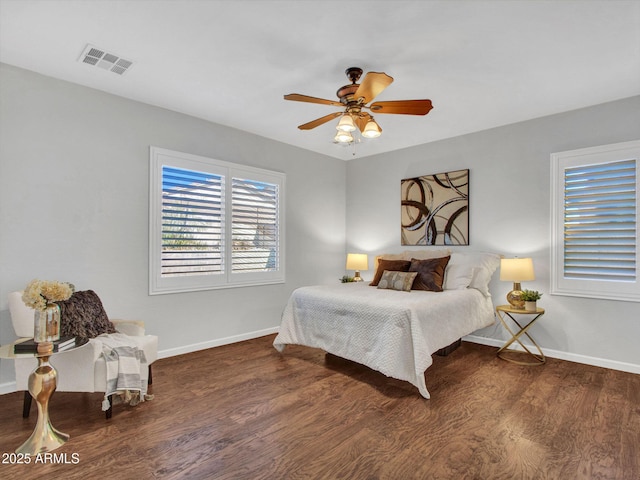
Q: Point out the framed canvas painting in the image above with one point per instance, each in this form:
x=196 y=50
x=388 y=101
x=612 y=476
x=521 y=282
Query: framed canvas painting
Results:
x=435 y=209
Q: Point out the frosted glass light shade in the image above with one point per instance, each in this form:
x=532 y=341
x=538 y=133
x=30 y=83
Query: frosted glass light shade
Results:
x=343 y=137
x=371 y=130
x=346 y=124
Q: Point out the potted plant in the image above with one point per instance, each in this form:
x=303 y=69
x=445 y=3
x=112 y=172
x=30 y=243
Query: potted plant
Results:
x=530 y=297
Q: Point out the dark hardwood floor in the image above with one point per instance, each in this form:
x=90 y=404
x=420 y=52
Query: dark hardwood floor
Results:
x=244 y=411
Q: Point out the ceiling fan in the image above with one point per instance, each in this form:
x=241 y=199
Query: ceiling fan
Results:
x=354 y=99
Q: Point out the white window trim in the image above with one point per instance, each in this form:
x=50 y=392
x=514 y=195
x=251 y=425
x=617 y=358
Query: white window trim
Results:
x=163 y=285
x=560 y=285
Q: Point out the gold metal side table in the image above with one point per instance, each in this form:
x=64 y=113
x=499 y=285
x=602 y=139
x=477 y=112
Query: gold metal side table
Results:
x=42 y=384
x=508 y=311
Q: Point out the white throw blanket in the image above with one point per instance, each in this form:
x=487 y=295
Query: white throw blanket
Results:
x=392 y=332
x=127 y=369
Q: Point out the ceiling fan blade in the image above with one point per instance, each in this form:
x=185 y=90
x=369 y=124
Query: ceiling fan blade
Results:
x=319 y=121
x=372 y=85
x=305 y=98
x=403 y=107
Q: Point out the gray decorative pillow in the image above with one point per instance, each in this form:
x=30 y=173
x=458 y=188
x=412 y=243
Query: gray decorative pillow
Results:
x=83 y=316
x=401 y=281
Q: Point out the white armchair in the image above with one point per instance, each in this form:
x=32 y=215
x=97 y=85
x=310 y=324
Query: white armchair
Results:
x=79 y=370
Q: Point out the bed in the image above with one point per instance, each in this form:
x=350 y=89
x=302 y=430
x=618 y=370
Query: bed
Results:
x=393 y=330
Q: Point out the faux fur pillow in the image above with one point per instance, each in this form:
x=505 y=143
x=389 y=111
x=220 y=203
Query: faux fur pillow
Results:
x=83 y=316
x=391 y=265
x=430 y=273
x=401 y=281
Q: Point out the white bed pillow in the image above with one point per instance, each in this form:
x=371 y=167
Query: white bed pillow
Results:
x=480 y=266
x=457 y=277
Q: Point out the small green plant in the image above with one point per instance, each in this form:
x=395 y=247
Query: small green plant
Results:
x=346 y=279
x=530 y=295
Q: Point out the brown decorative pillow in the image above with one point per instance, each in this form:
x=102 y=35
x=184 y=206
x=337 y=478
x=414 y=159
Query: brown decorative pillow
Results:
x=391 y=265
x=83 y=316
x=430 y=273
x=401 y=281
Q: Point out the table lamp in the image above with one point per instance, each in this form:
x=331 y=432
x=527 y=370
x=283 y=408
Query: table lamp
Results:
x=357 y=262
x=516 y=270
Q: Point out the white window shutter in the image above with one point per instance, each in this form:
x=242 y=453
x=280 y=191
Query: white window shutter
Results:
x=594 y=209
x=213 y=224
x=600 y=227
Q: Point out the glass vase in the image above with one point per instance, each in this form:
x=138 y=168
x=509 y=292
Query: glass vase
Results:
x=47 y=324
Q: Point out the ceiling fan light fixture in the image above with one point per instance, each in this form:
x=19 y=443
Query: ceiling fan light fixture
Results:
x=371 y=129
x=346 y=123
x=343 y=137
x=354 y=124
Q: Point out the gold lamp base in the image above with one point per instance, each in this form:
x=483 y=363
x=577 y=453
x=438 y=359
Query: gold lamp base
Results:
x=42 y=384
x=514 y=297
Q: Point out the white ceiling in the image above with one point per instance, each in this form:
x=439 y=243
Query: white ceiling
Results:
x=482 y=63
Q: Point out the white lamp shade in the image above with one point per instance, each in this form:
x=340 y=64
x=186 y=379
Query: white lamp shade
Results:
x=346 y=124
x=343 y=137
x=357 y=261
x=516 y=269
x=371 y=130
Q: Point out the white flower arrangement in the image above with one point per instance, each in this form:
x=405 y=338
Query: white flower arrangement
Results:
x=40 y=293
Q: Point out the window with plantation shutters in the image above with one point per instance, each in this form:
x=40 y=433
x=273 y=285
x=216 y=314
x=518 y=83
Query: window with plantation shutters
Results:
x=192 y=223
x=254 y=206
x=595 y=209
x=213 y=224
x=600 y=221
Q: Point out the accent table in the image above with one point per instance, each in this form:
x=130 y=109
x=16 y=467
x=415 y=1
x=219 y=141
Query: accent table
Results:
x=508 y=311
x=42 y=384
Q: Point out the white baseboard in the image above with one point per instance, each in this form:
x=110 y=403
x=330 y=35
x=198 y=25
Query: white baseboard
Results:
x=8 y=387
x=571 y=357
x=194 y=347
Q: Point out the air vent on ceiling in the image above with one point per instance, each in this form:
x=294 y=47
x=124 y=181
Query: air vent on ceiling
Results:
x=105 y=60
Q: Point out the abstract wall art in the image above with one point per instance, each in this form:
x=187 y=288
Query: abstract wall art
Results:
x=435 y=209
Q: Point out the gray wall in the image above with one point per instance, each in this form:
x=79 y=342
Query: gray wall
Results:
x=509 y=214
x=74 y=189
x=74 y=176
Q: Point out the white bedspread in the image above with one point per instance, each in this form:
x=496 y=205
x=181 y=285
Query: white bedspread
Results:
x=389 y=331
